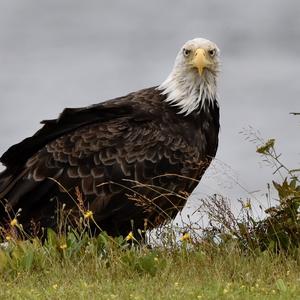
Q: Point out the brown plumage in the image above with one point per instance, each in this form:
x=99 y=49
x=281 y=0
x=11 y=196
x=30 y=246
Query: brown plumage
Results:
x=133 y=158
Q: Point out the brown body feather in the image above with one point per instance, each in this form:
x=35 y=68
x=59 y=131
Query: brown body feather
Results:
x=133 y=158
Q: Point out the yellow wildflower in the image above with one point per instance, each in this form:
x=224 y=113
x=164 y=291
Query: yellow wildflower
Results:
x=63 y=246
x=225 y=291
x=247 y=204
x=14 y=222
x=88 y=214
x=129 y=237
x=8 y=237
x=186 y=237
x=55 y=286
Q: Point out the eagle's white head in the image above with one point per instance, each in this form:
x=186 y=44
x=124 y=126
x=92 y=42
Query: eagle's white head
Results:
x=192 y=83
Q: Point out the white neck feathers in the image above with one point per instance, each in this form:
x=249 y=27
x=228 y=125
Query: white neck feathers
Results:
x=188 y=90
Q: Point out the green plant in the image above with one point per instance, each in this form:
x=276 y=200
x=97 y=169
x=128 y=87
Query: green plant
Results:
x=280 y=230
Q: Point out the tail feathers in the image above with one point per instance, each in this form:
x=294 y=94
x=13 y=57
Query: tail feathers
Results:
x=8 y=179
x=15 y=188
x=32 y=197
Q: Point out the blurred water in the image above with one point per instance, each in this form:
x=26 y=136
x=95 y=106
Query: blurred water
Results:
x=60 y=53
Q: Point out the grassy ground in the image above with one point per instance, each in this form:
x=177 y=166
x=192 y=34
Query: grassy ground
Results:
x=98 y=268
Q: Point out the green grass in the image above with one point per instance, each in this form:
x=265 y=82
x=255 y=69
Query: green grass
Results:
x=99 y=268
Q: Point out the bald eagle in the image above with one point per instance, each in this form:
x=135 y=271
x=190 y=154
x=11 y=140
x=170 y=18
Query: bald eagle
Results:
x=135 y=159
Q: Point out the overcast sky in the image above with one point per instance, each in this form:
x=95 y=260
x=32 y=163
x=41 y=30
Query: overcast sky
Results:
x=63 y=53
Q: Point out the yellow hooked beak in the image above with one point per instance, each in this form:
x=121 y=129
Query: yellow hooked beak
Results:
x=200 y=61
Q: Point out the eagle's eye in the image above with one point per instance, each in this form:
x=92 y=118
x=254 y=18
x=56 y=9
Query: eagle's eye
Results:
x=186 y=52
x=212 y=52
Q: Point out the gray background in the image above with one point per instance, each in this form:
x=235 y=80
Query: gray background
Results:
x=60 y=53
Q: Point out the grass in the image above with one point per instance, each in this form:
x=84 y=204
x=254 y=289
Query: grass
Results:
x=102 y=268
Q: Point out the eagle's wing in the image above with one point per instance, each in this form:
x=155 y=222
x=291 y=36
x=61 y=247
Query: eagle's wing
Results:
x=107 y=161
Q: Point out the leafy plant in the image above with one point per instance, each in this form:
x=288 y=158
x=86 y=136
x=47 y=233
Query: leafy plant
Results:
x=279 y=230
